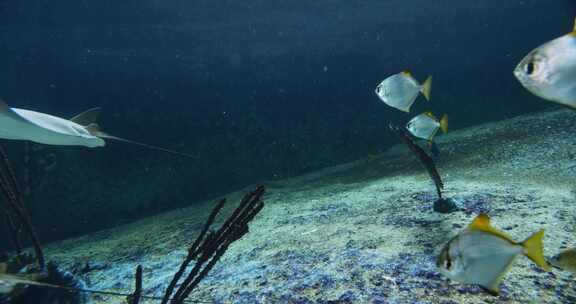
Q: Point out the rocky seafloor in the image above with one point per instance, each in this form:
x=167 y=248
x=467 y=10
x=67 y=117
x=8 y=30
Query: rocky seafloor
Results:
x=365 y=232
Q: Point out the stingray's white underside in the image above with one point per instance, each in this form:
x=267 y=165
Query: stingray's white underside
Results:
x=20 y=124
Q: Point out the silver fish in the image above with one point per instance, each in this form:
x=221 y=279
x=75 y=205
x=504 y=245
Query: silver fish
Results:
x=483 y=255
x=400 y=90
x=426 y=125
x=549 y=71
x=565 y=260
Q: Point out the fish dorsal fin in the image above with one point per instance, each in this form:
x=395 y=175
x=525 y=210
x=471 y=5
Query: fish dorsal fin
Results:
x=406 y=73
x=87 y=117
x=482 y=223
x=430 y=114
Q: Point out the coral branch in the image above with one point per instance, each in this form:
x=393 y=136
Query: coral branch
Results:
x=193 y=250
x=13 y=232
x=209 y=247
x=11 y=191
x=137 y=295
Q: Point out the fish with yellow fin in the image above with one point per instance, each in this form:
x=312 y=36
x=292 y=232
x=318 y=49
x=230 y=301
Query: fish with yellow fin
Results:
x=483 y=255
x=565 y=260
x=400 y=90
x=549 y=71
x=426 y=125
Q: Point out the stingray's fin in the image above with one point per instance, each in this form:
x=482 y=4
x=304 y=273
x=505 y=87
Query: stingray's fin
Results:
x=6 y=110
x=87 y=117
x=94 y=129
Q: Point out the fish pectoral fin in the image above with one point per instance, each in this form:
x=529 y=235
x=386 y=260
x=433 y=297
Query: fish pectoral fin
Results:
x=534 y=250
x=87 y=117
x=427 y=87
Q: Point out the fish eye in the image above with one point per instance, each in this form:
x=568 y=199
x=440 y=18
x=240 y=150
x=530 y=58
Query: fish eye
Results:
x=530 y=67
x=448 y=263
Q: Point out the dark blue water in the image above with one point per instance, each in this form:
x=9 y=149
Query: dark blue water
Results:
x=256 y=89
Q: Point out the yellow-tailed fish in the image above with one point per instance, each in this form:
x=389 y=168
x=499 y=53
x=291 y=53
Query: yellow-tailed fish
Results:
x=565 y=260
x=483 y=255
x=400 y=90
x=549 y=71
x=426 y=125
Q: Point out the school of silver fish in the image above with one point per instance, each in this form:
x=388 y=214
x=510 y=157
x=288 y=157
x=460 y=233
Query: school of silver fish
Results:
x=481 y=254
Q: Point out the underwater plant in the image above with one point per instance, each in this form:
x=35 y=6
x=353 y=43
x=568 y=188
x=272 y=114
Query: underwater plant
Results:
x=21 y=282
x=135 y=297
x=209 y=246
x=206 y=251
x=16 y=214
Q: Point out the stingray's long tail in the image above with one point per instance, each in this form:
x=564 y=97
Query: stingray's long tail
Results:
x=108 y=136
x=94 y=129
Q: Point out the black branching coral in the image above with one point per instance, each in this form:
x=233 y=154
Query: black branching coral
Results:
x=16 y=215
x=209 y=246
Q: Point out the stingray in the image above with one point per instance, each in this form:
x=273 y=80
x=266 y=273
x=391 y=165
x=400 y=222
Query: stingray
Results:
x=80 y=130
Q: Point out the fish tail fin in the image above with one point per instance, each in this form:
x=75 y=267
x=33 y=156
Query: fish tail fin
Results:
x=444 y=123
x=534 y=250
x=426 y=87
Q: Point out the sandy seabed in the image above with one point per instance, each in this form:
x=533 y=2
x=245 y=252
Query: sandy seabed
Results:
x=365 y=232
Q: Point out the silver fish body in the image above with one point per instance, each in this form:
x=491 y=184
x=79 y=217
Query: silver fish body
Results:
x=474 y=257
x=565 y=260
x=549 y=71
x=401 y=90
x=423 y=126
x=482 y=255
